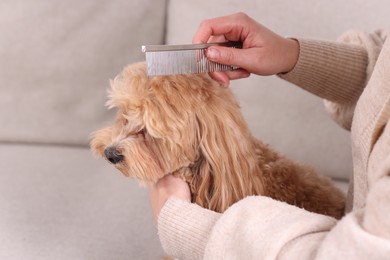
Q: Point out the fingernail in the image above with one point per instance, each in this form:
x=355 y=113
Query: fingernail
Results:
x=212 y=53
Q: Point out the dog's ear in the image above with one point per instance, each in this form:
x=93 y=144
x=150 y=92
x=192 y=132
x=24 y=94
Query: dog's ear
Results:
x=228 y=155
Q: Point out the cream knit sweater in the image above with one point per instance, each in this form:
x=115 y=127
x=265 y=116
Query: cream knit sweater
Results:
x=354 y=78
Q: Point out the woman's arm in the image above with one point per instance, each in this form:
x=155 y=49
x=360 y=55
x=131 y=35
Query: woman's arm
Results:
x=262 y=228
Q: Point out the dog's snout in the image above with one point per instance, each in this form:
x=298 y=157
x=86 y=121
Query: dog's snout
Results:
x=113 y=155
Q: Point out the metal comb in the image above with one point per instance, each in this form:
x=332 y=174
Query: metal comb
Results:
x=183 y=59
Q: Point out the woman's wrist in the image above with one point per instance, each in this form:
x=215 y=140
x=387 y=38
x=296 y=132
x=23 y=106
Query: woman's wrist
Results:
x=291 y=54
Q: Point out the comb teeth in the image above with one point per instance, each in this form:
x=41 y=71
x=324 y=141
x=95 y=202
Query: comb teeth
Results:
x=183 y=59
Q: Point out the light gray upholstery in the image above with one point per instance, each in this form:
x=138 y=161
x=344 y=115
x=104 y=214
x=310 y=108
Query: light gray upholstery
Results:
x=60 y=203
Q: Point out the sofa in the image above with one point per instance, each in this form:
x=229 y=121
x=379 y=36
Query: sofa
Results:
x=56 y=59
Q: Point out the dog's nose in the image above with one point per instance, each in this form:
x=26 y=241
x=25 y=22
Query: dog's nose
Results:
x=113 y=155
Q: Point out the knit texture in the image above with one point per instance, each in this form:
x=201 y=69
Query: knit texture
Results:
x=345 y=70
x=176 y=218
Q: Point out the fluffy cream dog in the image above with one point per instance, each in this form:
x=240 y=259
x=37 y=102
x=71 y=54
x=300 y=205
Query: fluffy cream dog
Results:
x=191 y=127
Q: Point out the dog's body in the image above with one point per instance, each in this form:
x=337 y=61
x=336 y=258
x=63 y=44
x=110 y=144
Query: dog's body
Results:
x=191 y=127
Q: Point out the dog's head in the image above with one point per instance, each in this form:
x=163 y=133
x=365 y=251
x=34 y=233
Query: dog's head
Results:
x=167 y=123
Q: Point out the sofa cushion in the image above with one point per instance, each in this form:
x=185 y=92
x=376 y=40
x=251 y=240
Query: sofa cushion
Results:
x=60 y=203
x=286 y=117
x=57 y=58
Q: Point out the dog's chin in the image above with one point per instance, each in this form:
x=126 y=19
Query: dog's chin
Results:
x=149 y=176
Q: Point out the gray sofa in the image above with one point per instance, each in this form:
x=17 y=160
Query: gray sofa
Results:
x=56 y=58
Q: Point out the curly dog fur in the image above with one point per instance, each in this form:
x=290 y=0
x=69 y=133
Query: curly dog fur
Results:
x=190 y=126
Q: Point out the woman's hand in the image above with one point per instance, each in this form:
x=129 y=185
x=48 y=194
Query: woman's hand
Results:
x=165 y=188
x=263 y=53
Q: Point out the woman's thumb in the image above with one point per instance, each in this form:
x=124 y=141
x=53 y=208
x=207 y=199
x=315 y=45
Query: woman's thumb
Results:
x=224 y=55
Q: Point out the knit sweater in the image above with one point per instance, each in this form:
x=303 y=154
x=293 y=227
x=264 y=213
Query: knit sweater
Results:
x=354 y=77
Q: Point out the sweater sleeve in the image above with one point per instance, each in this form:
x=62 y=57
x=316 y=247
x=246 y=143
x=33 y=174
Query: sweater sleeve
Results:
x=331 y=70
x=254 y=228
x=262 y=228
x=337 y=71
x=184 y=229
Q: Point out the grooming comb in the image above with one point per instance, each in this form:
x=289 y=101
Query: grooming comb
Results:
x=183 y=59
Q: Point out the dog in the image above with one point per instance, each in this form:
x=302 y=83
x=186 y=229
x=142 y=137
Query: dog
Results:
x=191 y=127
